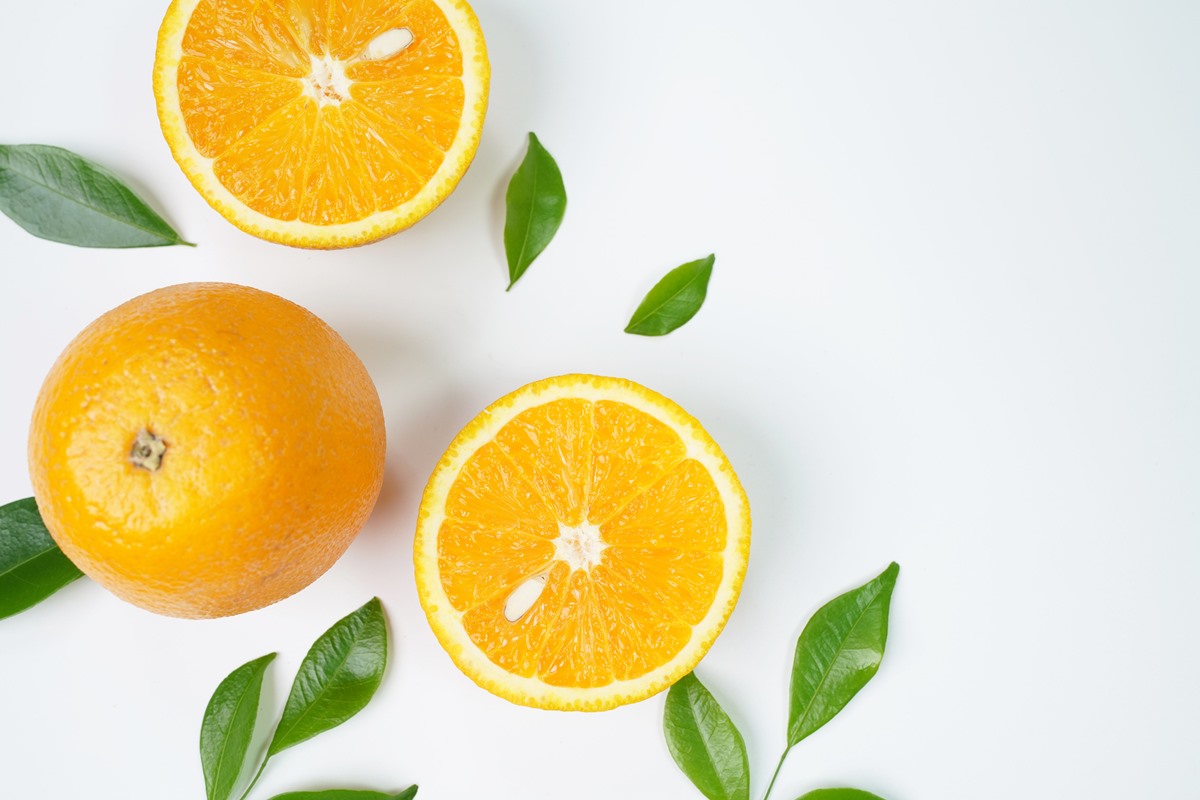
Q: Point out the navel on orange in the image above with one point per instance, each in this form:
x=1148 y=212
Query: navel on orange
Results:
x=322 y=123
x=581 y=544
x=206 y=449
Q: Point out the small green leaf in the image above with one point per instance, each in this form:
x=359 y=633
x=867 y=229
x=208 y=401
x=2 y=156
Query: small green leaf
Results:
x=534 y=206
x=839 y=794
x=347 y=794
x=337 y=678
x=839 y=650
x=674 y=300
x=229 y=725
x=704 y=742
x=31 y=566
x=57 y=195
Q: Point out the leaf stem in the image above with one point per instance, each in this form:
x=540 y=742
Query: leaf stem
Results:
x=257 y=775
x=778 y=767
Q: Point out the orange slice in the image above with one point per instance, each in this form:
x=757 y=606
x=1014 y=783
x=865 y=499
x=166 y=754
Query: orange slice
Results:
x=581 y=544
x=322 y=123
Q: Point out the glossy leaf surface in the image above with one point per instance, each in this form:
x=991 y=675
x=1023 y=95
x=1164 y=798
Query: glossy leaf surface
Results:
x=839 y=650
x=535 y=203
x=674 y=300
x=228 y=727
x=31 y=566
x=337 y=678
x=704 y=741
x=347 y=794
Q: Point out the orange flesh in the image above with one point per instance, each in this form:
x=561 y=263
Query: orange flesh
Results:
x=569 y=463
x=295 y=148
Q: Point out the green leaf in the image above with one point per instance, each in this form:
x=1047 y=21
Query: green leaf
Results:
x=705 y=743
x=347 y=794
x=57 y=195
x=674 y=300
x=31 y=566
x=839 y=794
x=534 y=208
x=337 y=678
x=839 y=650
x=228 y=727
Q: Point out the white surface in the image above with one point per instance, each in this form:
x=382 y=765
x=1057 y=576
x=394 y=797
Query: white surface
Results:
x=952 y=323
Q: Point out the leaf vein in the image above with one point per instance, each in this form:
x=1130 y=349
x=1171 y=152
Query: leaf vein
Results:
x=94 y=209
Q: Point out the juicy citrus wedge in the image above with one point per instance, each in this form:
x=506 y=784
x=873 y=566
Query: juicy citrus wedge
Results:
x=322 y=123
x=581 y=544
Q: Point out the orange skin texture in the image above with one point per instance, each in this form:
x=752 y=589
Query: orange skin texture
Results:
x=274 y=449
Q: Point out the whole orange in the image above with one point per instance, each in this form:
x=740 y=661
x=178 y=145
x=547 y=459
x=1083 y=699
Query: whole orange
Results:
x=206 y=449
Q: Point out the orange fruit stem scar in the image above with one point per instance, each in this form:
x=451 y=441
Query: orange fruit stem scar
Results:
x=147 y=451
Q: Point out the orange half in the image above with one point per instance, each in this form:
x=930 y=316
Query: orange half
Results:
x=322 y=123
x=581 y=544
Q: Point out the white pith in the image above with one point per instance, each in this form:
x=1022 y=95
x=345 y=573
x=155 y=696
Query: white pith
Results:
x=580 y=547
x=327 y=83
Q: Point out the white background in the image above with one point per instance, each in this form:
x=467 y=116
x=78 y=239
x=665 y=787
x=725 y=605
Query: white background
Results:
x=952 y=323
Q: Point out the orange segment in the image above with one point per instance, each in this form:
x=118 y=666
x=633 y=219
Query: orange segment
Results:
x=517 y=646
x=266 y=166
x=478 y=565
x=336 y=187
x=643 y=634
x=303 y=20
x=417 y=156
x=632 y=451
x=390 y=98
x=435 y=49
x=683 y=581
x=653 y=518
x=244 y=33
x=225 y=102
x=385 y=162
x=356 y=30
x=491 y=494
x=576 y=649
x=430 y=106
x=628 y=605
x=552 y=445
x=346 y=19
